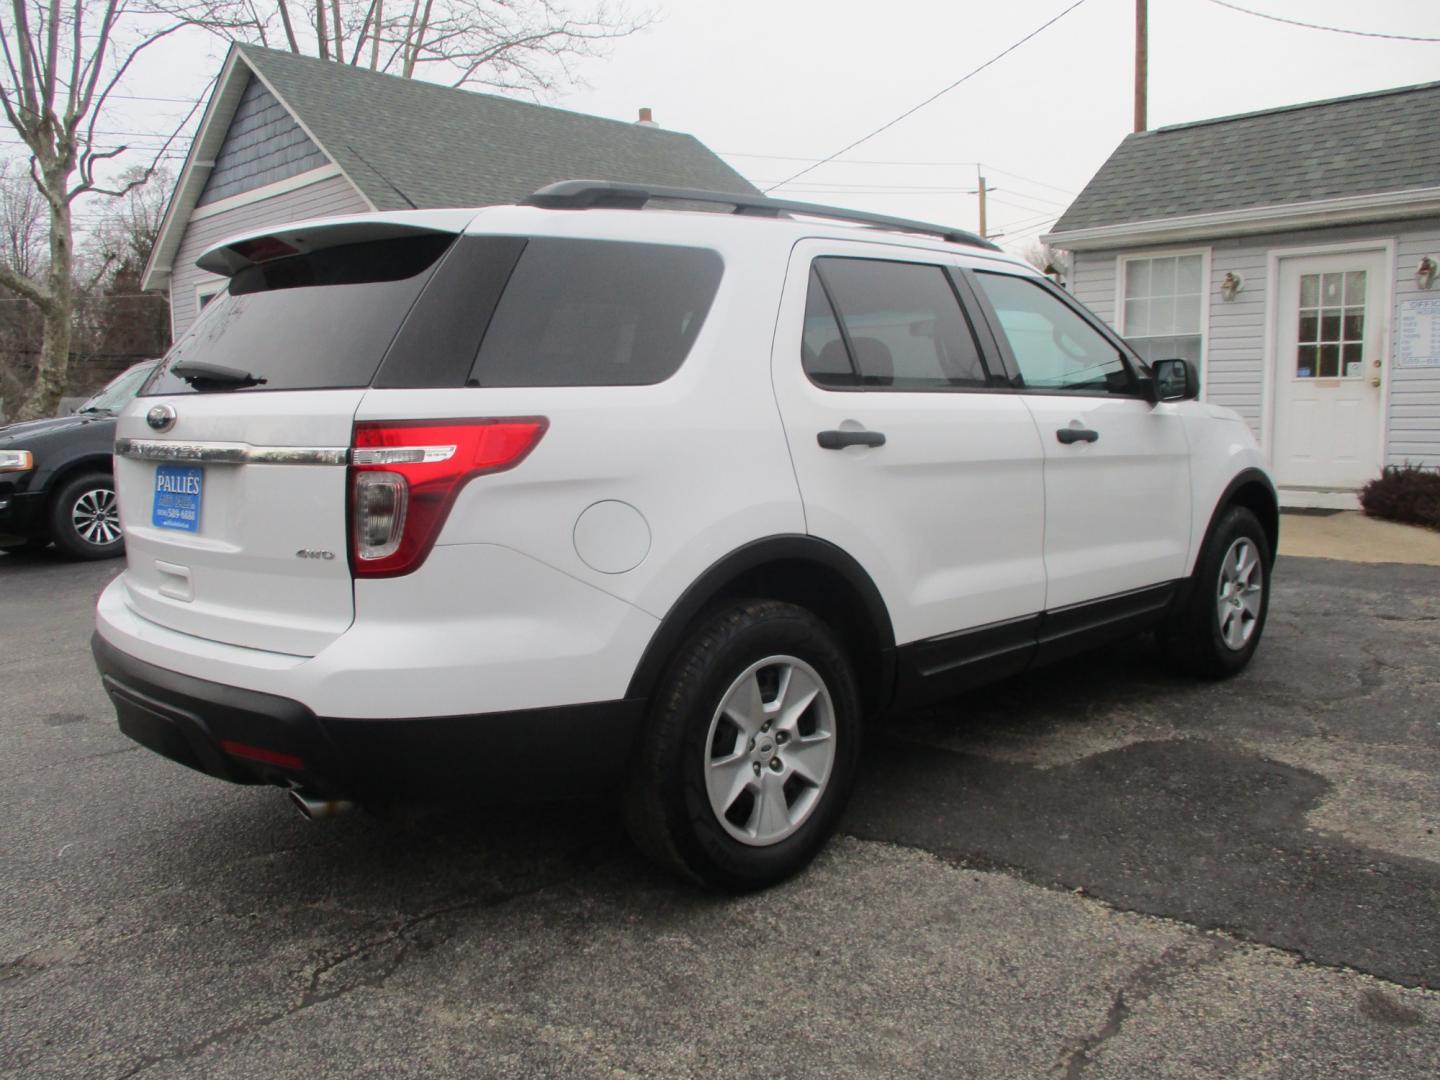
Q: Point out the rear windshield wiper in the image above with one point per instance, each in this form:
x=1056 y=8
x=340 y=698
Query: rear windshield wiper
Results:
x=206 y=376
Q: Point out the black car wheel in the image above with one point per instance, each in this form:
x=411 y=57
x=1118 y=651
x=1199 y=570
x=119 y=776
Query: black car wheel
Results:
x=85 y=518
x=750 y=751
x=1215 y=633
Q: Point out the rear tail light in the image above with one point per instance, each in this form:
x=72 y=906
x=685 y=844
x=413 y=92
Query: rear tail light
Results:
x=404 y=476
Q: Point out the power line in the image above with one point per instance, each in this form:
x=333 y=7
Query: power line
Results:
x=1317 y=26
x=940 y=93
x=1044 y=203
x=910 y=164
x=848 y=161
x=1029 y=180
x=1029 y=232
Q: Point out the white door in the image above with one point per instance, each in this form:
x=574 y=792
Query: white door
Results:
x=1329 y=378
x=1117 y=467
x=905 y=456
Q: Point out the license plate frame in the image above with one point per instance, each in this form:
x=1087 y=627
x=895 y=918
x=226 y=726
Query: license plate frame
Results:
x=178 y=497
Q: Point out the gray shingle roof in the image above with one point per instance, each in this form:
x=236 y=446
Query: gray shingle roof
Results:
x=1384 y=141
x=445 y=147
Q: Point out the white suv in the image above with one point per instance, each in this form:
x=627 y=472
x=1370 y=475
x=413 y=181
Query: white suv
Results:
x=586 y=494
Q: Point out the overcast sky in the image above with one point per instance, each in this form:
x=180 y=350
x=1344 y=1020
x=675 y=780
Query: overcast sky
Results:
x=775 y=85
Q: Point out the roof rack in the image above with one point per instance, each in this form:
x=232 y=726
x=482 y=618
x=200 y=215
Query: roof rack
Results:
x=601 y=194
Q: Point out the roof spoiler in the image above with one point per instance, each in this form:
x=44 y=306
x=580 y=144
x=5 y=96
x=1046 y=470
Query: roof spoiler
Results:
x=237 y=253
x=600 y=194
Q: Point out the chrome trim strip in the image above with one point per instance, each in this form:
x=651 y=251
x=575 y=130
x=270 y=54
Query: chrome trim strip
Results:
x=218 y=453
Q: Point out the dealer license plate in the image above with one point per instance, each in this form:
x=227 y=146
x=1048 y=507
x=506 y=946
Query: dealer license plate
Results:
x=177 y=497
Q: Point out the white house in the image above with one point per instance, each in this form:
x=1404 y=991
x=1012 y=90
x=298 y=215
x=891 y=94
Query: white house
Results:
x=1291 y=254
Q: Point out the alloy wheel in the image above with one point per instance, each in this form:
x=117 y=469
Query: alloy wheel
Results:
x=770 y=750
x=1240 y=591
x=96 y=517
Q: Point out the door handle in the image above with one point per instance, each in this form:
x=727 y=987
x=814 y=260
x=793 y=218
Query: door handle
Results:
x=1068 y=435
x=838 y=440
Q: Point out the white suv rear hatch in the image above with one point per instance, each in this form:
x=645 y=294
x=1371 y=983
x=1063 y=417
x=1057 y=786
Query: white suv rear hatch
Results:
x=230 y=467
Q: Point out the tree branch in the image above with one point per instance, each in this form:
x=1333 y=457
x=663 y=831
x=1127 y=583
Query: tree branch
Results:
x=29 y=100
x=289 y=28
x=88 y=183
x=30 y=289
x=364 y=30
x=52 y=58
x=99 y=104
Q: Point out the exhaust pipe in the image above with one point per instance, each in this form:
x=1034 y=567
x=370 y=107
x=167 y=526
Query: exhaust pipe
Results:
x=313 y=809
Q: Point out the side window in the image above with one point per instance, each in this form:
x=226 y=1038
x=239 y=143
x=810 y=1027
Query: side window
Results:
x=872 y=323
x=597 y=313
x=822 y=349
x=1054 y=347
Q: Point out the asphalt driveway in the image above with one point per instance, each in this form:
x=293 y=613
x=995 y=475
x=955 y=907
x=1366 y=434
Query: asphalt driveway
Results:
x=1104 y=870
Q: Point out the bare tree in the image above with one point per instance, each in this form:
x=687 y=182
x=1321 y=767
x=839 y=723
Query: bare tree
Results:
x=22 y=246
x=1048 y=260
x=61 y=64
x=115 y=323
x=22 y=221
x=520 y=45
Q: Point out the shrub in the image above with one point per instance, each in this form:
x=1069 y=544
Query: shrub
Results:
x=1405 y=493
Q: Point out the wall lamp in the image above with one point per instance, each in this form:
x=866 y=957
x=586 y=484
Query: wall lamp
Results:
x=1231 y=284
x=1425 y=272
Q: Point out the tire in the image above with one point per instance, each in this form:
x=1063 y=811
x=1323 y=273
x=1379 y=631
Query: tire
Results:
x=85 y=518
x=782 y=772
x=1215 y=633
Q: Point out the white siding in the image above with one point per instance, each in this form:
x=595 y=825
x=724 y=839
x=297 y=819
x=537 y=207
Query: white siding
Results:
x=1234 y=372
x=1092 y=282
x=1415 y=392
x=334 y=195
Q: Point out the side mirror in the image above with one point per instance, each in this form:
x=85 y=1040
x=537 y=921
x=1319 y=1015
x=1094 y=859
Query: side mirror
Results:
x=1175 y=380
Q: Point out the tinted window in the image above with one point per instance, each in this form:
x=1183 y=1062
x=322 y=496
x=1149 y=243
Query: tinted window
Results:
x=309 y=322
x=1054 y=347
x=597 y=313
x=902 y=324
x=822 y=350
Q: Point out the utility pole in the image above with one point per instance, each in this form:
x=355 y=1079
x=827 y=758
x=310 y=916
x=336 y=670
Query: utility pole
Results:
x=981 y=190
x=1142 y=64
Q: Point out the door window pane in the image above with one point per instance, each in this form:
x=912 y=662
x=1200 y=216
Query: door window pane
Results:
x=1329 y=361
x=822 y=351
x=1354 y=360
x=904 y=325
x=1354 y=328
x=1355 y=287
x=1306 y=357
x=1338 y=330
x=1054 y=347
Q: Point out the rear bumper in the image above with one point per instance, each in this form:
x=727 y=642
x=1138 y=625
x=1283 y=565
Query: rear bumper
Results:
x=249 y=737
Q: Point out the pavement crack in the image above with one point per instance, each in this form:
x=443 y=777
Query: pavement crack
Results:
x=405 y=933
x=1147 y=980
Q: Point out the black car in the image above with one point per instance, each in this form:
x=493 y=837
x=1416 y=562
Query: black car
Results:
x=55 y=475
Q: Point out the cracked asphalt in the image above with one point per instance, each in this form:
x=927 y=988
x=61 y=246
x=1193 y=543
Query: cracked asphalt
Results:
x=1105 y=870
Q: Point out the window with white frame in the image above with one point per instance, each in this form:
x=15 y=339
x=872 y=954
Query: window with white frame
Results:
x=1163 y=308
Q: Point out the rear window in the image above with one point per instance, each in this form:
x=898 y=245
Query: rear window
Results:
x=597 y=313
x=310 y=322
